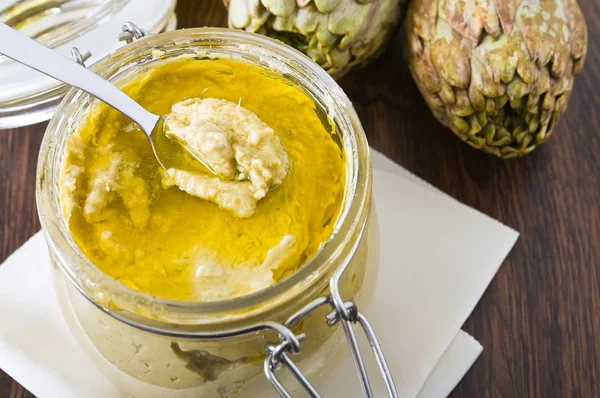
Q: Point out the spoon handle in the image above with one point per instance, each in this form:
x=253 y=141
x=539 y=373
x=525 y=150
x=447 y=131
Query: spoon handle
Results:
x=24 y=50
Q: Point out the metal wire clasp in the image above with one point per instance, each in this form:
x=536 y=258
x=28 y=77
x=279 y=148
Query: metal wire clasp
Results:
x=348 y=314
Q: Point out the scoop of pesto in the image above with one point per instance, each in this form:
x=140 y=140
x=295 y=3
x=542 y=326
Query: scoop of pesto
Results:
x=235 y=144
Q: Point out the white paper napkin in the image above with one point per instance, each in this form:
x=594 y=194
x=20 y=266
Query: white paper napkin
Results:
x=428 y=285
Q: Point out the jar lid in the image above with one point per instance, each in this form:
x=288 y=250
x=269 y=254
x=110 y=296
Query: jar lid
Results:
x=27 y=96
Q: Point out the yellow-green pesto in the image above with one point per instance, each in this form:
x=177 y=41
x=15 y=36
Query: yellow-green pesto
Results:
x=155 y=238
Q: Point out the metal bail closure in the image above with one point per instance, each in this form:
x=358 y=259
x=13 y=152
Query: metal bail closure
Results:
x=345 y=312
x=277 y=355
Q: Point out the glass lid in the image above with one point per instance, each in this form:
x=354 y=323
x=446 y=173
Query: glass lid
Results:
x=27 y=96
x=54 y=22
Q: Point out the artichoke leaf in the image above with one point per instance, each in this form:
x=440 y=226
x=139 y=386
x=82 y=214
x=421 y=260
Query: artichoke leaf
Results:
x=280 y=8
x=326 y=6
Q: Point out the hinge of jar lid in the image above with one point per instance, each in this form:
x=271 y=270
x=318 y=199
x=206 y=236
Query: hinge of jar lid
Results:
x=131 y=32
x=80 y=57
x=345 y=312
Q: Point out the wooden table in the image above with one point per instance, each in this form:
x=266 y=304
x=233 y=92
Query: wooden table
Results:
x=539 y=321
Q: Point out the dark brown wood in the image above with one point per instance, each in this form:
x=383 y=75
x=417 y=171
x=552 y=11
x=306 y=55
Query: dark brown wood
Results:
x=539 y=321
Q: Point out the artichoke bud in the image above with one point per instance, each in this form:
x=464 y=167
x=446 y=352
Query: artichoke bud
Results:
x=502 y=71
x=337 y=34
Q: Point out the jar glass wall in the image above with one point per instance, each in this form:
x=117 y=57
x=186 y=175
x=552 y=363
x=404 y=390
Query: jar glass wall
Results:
x=144 y=344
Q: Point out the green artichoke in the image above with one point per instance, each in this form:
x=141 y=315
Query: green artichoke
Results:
x=336 y=34
x=497 y=73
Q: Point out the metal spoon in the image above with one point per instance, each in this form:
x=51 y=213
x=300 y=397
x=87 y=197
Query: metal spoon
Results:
x=28 y=52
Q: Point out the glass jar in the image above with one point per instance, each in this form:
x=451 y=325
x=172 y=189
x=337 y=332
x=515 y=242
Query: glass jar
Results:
x=149 y=346
x=27 y=96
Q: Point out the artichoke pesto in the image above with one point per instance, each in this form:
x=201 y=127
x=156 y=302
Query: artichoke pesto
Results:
x=195 y=235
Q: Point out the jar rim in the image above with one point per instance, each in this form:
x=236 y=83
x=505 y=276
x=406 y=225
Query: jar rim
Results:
x=149 y=309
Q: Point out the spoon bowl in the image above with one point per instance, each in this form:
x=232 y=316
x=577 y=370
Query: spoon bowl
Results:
x=176 y=154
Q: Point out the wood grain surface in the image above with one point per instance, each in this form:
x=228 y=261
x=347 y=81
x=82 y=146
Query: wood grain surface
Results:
x=539 y=321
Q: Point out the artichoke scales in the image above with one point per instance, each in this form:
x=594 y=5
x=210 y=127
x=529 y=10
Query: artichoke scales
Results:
x=337 y=34
x=498 y=73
